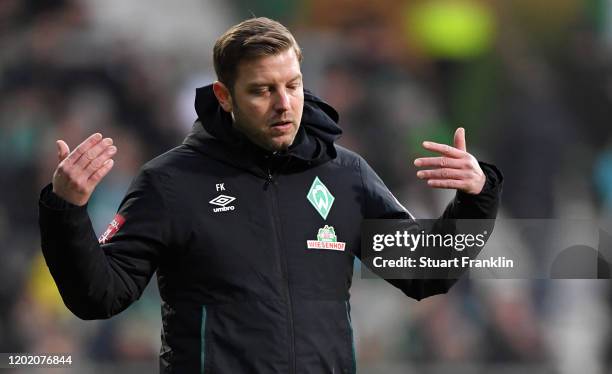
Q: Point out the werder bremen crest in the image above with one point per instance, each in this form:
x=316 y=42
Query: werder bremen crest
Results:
x=320 y=197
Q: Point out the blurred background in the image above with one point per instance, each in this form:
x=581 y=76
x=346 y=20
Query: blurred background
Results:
x=530 y=80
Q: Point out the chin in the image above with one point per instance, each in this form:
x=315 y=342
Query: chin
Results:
x=280 y=145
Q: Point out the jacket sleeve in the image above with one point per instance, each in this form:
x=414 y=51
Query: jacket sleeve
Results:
x=98 y=279
x=381 y=204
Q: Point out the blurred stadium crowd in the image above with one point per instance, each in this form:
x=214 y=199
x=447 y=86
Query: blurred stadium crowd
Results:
x=531 y=81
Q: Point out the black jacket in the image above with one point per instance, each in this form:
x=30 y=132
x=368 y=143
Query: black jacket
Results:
x=225 y=225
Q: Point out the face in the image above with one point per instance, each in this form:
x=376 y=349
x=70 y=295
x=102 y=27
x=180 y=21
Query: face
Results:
x=267 y=100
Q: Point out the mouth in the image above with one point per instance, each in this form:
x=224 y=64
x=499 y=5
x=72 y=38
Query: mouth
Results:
x=281 y=126
x=281 y=123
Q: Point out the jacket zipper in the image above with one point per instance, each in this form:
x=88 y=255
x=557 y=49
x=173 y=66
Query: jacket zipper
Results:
x=285 y=274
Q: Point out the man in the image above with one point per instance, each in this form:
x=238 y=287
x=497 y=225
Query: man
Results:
x=225 y=219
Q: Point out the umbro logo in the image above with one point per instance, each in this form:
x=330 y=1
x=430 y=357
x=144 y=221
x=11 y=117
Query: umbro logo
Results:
x=222 y=202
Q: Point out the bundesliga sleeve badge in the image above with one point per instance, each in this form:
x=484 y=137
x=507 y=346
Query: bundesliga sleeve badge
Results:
x=112 y=228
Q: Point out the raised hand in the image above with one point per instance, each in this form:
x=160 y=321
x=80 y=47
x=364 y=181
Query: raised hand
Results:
x=79 y=172
x=455 y=168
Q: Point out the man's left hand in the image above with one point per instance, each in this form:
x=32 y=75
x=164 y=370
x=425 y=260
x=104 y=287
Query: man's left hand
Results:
x=455 y=168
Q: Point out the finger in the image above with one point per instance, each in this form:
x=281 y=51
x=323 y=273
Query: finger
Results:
x=447 y=183
x=443 y=162
x=459 y=139
x=97 y=163
x=443 y=174
x=84 y=147
x=444 y=149
x=62 y=150
x=93 y=152
x=96 y=177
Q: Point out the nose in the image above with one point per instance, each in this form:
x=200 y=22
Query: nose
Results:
x=281 y=102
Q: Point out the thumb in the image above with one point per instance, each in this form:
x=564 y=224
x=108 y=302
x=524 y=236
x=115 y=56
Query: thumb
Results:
x=62 y=150
x=459 y=139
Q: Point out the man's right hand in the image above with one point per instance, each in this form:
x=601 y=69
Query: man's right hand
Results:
x=79 y=172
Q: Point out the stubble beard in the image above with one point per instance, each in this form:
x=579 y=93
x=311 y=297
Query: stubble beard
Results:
x=257 y=135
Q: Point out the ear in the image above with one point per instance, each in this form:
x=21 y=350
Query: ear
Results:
x=223 y=96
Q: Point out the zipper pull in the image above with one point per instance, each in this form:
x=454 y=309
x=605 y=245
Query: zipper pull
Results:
x=269 y=179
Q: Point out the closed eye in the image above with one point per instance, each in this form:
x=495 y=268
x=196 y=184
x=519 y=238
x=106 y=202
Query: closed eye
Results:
x=259 y=90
